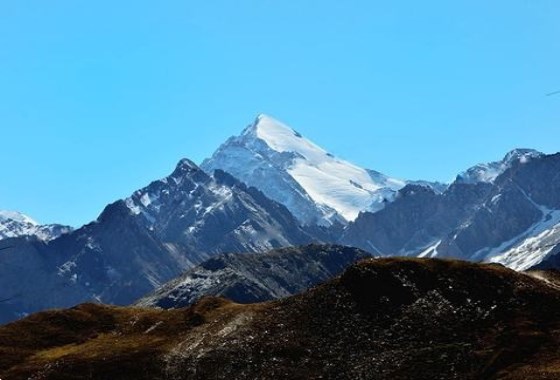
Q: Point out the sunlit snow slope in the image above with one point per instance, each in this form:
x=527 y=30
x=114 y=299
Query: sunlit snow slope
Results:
x=317 y=187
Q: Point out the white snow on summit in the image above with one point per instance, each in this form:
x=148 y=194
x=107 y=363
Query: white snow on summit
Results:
x=336 y=183
x=17 y=217
x=316 y=186
x=15 y=224
x=490 y=171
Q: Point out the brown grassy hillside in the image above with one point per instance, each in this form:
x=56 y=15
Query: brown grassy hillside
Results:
x=382 y=319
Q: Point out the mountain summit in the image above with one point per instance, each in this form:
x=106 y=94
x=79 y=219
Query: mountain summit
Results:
x=317 y=187
x=143 y=241
x=488 y=172
x=14 y=224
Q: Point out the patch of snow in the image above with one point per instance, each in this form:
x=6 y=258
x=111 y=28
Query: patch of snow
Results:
x=132 y=206
x=529 y=252
x=145 y=199
x=66 y=268
x=430 y=251
x=495 y=199
x=530 y=247
x=153 y=327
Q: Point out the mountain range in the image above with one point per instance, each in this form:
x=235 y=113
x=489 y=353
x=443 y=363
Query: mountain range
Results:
x=268 y=188
x=143 y=241
x=512 y=218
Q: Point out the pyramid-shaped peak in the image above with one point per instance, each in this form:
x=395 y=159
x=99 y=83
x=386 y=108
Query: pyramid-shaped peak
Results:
x=280 y=137
x=316 y=186
x=266 y=125
x=185 y=167
x=187 y=164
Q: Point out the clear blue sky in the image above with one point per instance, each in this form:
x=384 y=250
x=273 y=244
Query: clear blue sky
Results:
x=98 y=98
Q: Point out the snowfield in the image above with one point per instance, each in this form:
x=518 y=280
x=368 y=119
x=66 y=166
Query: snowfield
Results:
x=315 y=186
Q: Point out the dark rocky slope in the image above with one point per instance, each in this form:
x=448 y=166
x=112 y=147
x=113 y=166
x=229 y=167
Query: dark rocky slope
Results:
x=141 y=242
x=470 y=220
x=251 y=278
x=552 y=261
x=382 y=319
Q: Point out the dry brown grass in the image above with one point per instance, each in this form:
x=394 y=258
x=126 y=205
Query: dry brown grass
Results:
x=383 y=318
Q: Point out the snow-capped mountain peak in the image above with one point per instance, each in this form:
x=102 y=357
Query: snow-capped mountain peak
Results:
x=16 y=217
x=488 y=172
x=317 y=187
x=14 y=224
x=281 y=138
x=522 y=155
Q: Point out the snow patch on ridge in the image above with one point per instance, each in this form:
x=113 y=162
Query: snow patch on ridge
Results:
x=532 y=246
x=488 y=172
x=430 y=251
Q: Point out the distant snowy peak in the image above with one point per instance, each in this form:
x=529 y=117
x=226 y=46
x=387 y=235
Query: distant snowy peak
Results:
x=490 y=171
x=17 y=217
x=315 y=186
x=15 y=224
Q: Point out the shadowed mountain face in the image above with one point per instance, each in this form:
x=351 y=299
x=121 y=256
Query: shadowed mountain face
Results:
x=253 y=278
x=506 y=211
x=382 y=319
x=510 y=216
x=551 y=262
x=143 y=241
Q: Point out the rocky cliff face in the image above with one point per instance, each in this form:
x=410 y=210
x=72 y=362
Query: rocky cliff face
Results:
x=143 y=241
x=416 y=219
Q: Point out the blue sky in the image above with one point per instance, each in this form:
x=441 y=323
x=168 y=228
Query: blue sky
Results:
x=99 y=98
